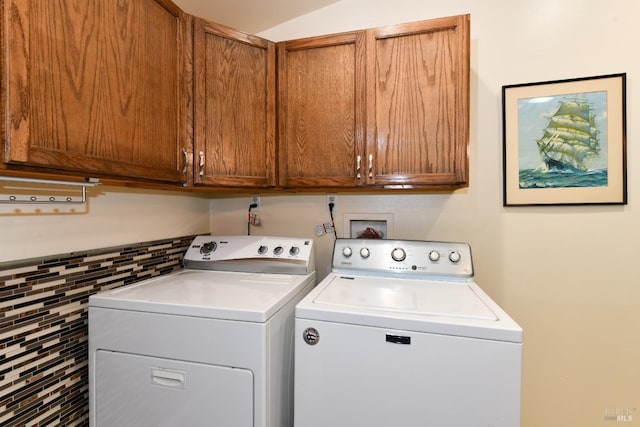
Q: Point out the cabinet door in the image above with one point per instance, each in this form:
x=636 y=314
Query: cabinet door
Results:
x=418 y=103
x=321 y=85
x=94 y=86
x=234 y=119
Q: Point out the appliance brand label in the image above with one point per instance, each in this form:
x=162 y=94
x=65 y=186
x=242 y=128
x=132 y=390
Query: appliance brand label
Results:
x=311 y=336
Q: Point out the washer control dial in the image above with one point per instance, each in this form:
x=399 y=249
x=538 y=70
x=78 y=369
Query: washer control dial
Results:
x=455 y=257
x=294 y=251
x=398 y=254
x=364 y=253
x=434 y=255
x=347 y=252
x=262 y=249
x=278 y=250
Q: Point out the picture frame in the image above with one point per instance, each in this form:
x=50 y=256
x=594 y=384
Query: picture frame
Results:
x=564 y=142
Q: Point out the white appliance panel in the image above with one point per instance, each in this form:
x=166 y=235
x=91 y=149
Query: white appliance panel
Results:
x=450 y=308
x=399 y=334
x=356 y=376
x=216 y=344
x=139 y=391
x=200 y=340
x=405 y=296
x=252 y=297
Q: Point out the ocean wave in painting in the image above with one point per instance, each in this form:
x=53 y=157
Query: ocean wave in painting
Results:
x=541 y=178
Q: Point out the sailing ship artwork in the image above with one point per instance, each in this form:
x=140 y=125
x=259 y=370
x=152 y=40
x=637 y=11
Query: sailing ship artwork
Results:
x=562 y=141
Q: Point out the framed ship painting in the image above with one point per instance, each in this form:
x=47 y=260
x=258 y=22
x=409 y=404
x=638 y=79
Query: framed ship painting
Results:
x=565 y=142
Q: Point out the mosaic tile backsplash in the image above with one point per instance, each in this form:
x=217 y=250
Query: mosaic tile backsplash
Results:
x=44 y=330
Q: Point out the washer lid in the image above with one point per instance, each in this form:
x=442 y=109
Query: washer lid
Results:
x=453 y=308
x=406 y=296
x=225 y=295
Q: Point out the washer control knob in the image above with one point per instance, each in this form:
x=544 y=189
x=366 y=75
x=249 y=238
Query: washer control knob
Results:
x=364 y=253
x=294 y=251
x=347 y=252
x=278 y=250
x=208 y=247
x=454 y=257
x=398 y=254
x=262 y=249
x=434 y=255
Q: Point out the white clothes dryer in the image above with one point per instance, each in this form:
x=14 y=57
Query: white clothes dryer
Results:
x=399 y=334
x=209 y=345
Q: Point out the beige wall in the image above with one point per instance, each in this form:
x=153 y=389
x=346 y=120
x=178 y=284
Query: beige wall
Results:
x=112 y=216
x=568 y=275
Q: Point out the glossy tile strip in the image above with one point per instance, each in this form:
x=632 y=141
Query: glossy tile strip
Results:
x=44 y=330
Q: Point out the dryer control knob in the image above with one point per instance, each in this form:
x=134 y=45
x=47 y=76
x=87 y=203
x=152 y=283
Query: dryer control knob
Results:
x=278 y=250
x=294 y=251
x=398 y=254
x=434 y=255
x=208 y=247
x=454 y=257
x=347 y=251
x=262 y=249
x=364 y=253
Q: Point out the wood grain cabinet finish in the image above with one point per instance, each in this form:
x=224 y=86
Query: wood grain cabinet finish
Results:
x=321 y=110
x=234 y=119
x=94 y=87
x=385 y=107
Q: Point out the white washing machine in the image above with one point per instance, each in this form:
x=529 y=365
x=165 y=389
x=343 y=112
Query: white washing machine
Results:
x=210 y=345
x=399 y=334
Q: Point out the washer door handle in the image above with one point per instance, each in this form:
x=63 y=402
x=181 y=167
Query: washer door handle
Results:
x=398 y=339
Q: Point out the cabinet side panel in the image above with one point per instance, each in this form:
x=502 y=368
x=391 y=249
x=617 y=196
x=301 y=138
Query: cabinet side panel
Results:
x=15 y=80
x=158 y=105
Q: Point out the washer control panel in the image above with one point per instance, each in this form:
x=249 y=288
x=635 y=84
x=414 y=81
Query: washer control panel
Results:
x=408 y=257
x=251 y=254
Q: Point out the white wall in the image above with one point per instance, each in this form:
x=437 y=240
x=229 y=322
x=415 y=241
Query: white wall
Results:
x=113 y=216
x=568 y=275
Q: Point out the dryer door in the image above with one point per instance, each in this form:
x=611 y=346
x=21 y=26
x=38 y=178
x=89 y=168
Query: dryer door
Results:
x=140 y=391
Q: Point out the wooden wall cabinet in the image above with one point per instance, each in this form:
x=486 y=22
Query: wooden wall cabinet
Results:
x=321 y=116
x=386 y=107
x=94 y=87
x=106 y=88
x=234 y=118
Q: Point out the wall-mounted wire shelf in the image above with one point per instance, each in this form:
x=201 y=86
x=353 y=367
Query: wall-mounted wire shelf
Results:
x=34 y=191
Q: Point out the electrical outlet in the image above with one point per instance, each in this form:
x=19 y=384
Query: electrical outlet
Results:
x=257 y=201
x=332 y=198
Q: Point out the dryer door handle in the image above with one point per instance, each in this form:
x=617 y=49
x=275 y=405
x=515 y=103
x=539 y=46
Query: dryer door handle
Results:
x=169 y=378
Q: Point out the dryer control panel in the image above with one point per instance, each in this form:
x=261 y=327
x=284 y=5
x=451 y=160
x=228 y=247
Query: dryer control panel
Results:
x=403 y=257
x=254 y=254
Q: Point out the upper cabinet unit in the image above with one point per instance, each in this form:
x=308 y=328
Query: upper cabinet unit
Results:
x=321 y=117
x=139 y=91
x=386 y=107
x=234 y=100
x=418 y=103
x=94 y=87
